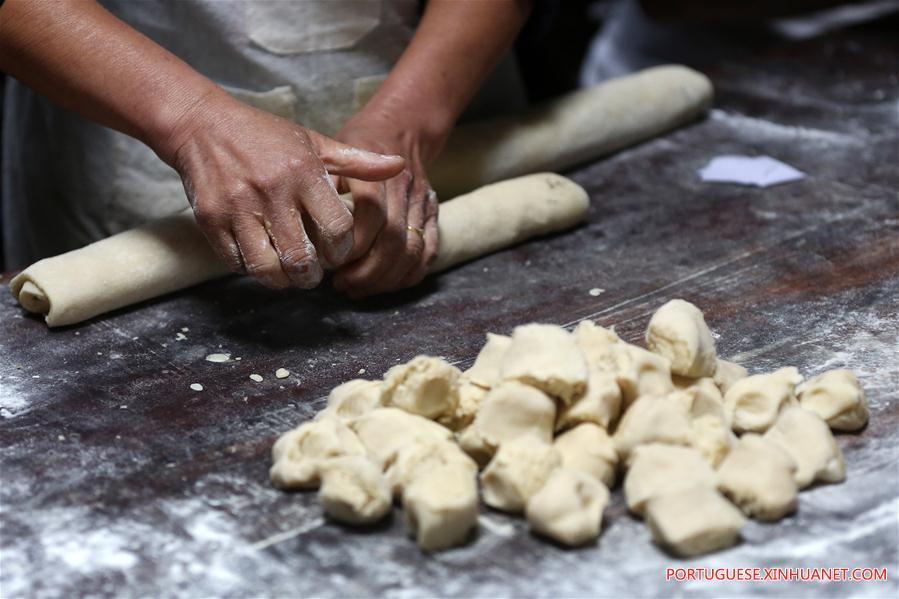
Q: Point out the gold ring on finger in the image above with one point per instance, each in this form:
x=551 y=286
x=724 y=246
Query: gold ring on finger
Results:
x=420 y=232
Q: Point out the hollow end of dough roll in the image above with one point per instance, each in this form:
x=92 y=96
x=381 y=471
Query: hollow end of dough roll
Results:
x=30 y=296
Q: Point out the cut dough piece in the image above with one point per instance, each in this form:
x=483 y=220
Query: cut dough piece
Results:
x=600 y=403
x=838 y=398
x=658 y=469
x=353 y=399
x=485 y=370
x=728 y=373
x=702 y=398
x=589 y=449
x=753 y=403
x=641 y=373
x=421 y=456
x=441 y=506
x=471 y=398
x=569 y=507
x=383 y=431
x=546 y=356
x=354 y=490
x=299 y=453
x=678 y=331
x=713 y=438
x=758 y=477
x=652 y=420
x=474 y=445
x=808 y=440
x=425 y=386
x=694 y=521
x=598 y=345
x=518 y=470
x=510 y=410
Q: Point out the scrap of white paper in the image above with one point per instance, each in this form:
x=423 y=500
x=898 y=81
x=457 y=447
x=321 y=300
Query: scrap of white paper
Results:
x=761 y=171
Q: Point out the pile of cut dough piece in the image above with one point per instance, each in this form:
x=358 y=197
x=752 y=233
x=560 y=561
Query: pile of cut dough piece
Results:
x=548 y=420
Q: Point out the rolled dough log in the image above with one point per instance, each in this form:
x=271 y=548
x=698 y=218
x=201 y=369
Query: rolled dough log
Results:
x=570 y=130
x=172 y=253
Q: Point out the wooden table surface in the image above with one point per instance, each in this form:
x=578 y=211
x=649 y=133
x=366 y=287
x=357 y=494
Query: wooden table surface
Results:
x=118 y=479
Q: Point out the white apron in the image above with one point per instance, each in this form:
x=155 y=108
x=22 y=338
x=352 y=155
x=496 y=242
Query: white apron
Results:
x=67 y=182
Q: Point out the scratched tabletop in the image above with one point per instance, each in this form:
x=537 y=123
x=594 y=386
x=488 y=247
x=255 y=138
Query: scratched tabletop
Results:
x=118 y=479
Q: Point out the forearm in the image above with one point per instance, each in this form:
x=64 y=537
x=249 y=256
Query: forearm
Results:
x=455 y=47
x=83 y=58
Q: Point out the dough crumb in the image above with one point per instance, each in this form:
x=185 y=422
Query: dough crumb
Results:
x=196 y=386
x=218 y=357
x=256 y=377
x=596 y=292
x=282 y=373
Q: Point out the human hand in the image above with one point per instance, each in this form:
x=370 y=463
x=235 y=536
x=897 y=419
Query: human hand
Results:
x=262 y=192
x=395 y=221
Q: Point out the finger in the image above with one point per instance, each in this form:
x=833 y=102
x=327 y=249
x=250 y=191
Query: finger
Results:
x=341 y=184
x=412 y=269
x=296 y=253
x=349 y=161
x=259 y=257
x=369 y=214
x=218 y=233
x=362 y=277
x=331 y=219
x=432 y=228
x=431 y=239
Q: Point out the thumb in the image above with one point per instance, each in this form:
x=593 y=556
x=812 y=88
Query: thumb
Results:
x=348 y=161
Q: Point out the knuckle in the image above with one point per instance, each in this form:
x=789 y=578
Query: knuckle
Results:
x=266 y=273
x=298 y=259
x=238 y=190
x=296 y=164
x=268 y=182
x=211 y=218
x=258 y=268
x=339 y=226
x=203 y=214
